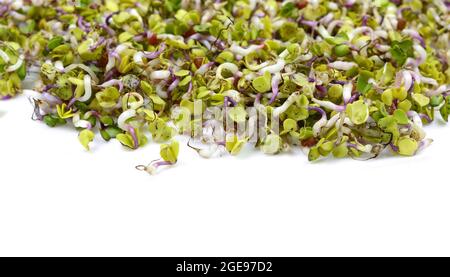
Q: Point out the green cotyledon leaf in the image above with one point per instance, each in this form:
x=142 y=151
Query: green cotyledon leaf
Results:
x=401 y=50
x=234 y=145
x=262 y=83
x=272 y=144
x=85 y=137
x=237 y=114
x=358 y=112
x=407 y=146
x=169 y=152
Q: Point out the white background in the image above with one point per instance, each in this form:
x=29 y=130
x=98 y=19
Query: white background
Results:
x=58 y=200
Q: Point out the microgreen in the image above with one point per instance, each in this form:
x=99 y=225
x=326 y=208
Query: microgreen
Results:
x=340 y=78
x=401 y=50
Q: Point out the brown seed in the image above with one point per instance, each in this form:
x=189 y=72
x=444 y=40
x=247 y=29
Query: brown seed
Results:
x=198 y=62
x=302 y=3
x=401 y=24
x=103 y=59
x=153 y=40
x=189 y=32
x=310 y=142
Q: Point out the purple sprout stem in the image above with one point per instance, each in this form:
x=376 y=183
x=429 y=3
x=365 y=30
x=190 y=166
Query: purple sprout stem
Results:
x=311 y=61
x=322 y=90
x=100 y=41
x=161 y=163
x=108 y=29
x=132 y=132
x=317 y=109
x=82 y=25
x=353 y=98
x=338 y=82
x=395 y=148
x=425 y=117
x=173 y=85
x=71 y=102
x=257 y=99
x=352 y=145
x=49 y=87
x=275 y=90
x=155 y=54
x=231 y=100
x=364 y=20
x=4 y=9
x=51 y=98
x=189 y=88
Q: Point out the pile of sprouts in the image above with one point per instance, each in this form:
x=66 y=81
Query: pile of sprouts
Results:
x=347 y=78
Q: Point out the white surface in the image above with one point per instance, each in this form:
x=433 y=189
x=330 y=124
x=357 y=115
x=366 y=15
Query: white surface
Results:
x=58 y=200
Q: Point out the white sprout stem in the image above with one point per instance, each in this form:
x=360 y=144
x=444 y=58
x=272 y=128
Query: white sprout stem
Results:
x=410 y=32
x=416 y=76
x=170 y=36
x=439 y=90
x=415 y=118
x=32 y=94
x=258 y=66
x=136 y=104
x=319 y=124
x=229 y=66
x=305 y=57
x=110 y=83
x=59 y=66
x=4 y=56
x=119 y=49
x=275 y=68
x=203 y=69
x=364 y=148
x=424 y=144
x=250 y=76
x=15 y=4
x=17 y=65
x=85 y=68
x=422 y=54
x=329 y=105
x=326 y=19
x=323 y=32
x=234 y=94
x=238 y=50
x=332 y=121
x=80 y=123
x=339 y=65
x=348 y=122
x=111 y=63
x=333 y=25
x=87 y=89
x=18 y=16
x=382 y=48
x=407 y=79
x=429 y=81
x=380 y=34
x=284 y=54
x=138 y=58
x=123 y=117
x=361 y=30
x=333 y=6
x=404 y=78
x=160 y=74
x=289 y=101
x=347 y=92
x=161 y=92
